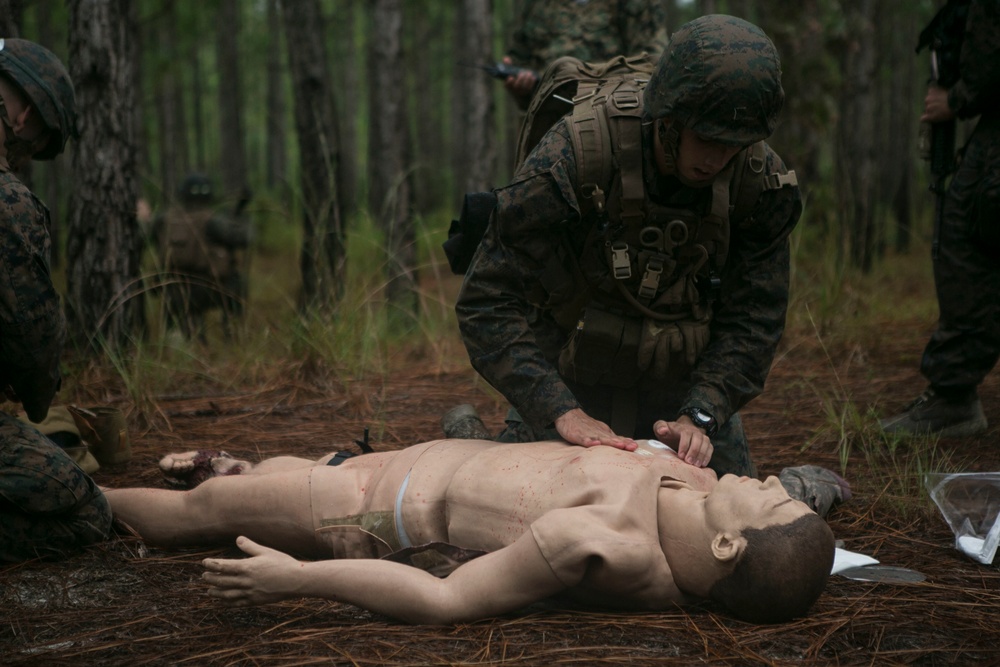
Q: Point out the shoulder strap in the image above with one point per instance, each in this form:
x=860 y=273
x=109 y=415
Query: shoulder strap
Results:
x=749 y=182
x=605 y=132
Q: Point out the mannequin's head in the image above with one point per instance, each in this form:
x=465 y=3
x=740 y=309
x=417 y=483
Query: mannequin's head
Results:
x=781 y=573
x=749 y=546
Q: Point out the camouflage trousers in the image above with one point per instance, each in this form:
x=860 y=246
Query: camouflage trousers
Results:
x=48 y=506
x=731 y=455
x=966 y=345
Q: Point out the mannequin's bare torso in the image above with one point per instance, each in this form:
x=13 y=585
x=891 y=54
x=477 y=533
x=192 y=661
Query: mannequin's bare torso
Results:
x=596 y=506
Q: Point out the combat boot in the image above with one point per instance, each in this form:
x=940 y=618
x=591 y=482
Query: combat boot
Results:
x=462 y=422
x=933 y=414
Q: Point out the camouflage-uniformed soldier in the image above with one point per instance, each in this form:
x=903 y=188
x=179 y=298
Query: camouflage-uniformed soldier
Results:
x=591 y=30
x=48 y=506
x=966 y=345
x=200 y=248
x=641 y=298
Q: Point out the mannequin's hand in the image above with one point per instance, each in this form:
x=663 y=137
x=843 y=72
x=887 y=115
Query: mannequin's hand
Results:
x=266 y=577
x=578 y=428
x=691 y=443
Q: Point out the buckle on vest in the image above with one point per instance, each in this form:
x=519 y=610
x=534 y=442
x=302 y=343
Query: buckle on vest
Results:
x=626 y=99
x=593 y=192
x=778 y=181
x=620 y=262
x=651 y=278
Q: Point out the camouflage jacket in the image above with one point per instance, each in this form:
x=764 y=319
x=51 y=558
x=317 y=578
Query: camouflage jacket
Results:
x=978 y=88
x=515 y=348
x=31 y=320
x=591 y=30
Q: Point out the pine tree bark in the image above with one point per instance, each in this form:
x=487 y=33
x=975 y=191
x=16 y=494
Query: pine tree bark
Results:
x=855 y=154
x=277 y=160
x=477 y=153
x=323 y=248
x=390 y=180
x=104 y=245
x=234 y=159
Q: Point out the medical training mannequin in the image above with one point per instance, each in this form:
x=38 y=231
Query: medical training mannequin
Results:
x=635 y=530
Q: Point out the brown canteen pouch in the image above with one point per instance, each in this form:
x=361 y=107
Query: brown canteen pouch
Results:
x=618 y=351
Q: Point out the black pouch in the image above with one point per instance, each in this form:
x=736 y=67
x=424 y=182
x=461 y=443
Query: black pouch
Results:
x=602 y=349
x=465 y=233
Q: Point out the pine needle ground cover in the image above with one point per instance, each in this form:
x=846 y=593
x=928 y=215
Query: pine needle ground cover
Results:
x=124 y=603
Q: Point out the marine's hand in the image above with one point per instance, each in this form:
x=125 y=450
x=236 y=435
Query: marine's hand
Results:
x=266 y=577
x=578 y=428
x=936 y=109
x=522 y=84
x=691 y=443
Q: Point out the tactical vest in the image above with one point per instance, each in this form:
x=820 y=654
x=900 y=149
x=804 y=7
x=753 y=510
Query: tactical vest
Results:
x=185 y=246
x=640 y=300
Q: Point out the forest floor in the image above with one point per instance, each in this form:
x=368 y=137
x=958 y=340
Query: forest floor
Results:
x=122 y=603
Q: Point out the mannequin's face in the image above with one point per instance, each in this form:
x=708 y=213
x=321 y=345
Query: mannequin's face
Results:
x=738 y=503
x=701 y=532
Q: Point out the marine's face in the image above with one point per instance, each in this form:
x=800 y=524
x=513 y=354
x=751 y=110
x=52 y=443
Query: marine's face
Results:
x=737 y=503
x=700 y=160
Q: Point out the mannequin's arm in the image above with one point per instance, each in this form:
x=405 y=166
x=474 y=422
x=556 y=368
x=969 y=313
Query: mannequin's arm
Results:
x=492 y=584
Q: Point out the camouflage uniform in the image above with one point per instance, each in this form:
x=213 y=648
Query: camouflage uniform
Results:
x=48 y=505
x=591 y=30
x=199 y=250
x=516 y=345
x=966 y=344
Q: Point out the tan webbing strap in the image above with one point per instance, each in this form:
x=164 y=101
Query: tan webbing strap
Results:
x=588 y=132
x=750 y=182
x=624 y=108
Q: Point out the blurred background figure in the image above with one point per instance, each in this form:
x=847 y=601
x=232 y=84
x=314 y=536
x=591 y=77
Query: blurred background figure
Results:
x=202 y=252
x=591 y=30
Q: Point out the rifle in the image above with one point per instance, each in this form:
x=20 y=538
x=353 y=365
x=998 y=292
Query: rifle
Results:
x=944 y=37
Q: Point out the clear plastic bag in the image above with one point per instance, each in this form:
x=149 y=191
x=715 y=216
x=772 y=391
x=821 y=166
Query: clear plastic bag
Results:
x=970 y=503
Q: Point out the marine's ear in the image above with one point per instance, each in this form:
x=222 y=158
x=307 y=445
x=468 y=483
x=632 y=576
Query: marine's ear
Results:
x=728 y=546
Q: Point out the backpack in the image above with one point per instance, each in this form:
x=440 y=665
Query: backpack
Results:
x=552 y=99
x=565 y=88
x=186 y=247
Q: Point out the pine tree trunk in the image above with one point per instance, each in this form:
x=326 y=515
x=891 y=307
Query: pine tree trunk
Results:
x=234 y=160
x=390 y=194
x=855 y=155
x=323 y=251
x=277 y=159
x=104 y=249
x=478 y=156
x=346 y=74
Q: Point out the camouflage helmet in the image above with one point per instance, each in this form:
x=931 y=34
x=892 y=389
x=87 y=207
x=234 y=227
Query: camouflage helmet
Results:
x=719 y=76
x=45 y=81
x=196 y=188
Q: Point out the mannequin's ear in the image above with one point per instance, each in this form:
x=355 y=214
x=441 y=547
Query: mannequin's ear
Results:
x=728 y=546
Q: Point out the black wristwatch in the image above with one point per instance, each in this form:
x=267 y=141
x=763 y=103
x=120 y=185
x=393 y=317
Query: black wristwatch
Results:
x=702 y=420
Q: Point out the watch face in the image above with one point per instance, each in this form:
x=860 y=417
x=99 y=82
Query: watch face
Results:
x=702 y=417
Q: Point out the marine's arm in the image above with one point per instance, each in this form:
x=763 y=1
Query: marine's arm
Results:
x=976 y=90
x=31 y=321
x=750 y=314
x=493 y=307
x=493 y=584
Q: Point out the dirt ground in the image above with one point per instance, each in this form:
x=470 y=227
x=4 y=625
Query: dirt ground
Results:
x=121 y=603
